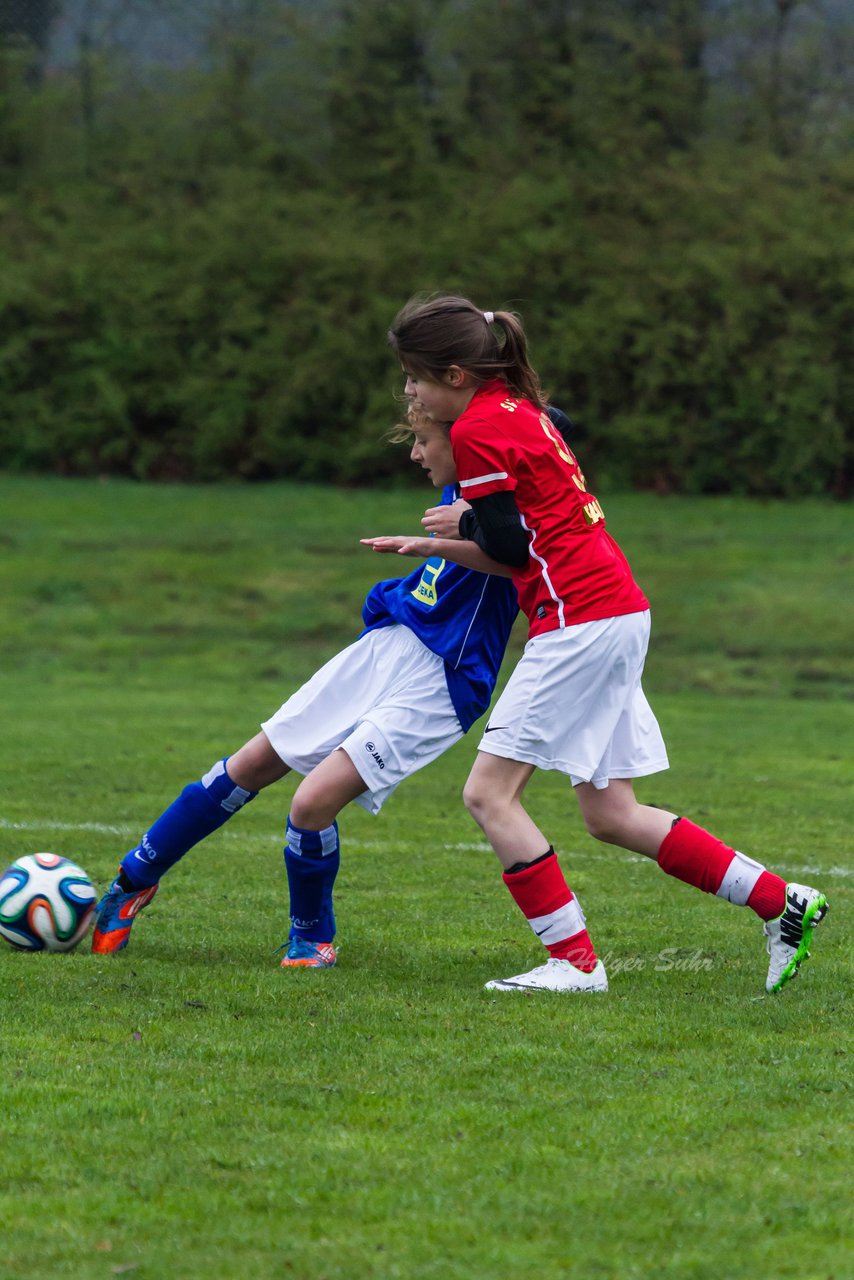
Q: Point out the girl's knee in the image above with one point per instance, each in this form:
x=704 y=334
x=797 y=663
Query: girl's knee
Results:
x=600 y=828
x=610 y=813
x=256 y=765
x=309 y=811
x=607 y=825
x=478 y=799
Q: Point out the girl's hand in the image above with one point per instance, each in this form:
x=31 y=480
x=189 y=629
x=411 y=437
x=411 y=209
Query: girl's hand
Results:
x=444 y=521
x=403 y=545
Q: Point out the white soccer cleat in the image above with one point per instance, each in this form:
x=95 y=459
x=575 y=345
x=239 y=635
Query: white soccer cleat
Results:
x=789 y=935
x=554 y=975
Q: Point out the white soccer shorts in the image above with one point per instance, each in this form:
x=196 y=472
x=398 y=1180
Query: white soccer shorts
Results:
x=575 y=704
x=384 y=700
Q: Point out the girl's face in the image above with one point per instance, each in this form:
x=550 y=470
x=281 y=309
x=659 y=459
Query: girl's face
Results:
x=444 y=400
x=432 y=451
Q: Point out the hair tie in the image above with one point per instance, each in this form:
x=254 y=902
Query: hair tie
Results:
x=489 y=316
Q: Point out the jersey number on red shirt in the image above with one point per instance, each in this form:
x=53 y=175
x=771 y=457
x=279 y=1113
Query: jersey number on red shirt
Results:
x=591 y=510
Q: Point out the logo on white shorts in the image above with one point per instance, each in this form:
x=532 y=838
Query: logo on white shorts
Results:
x=369 y=746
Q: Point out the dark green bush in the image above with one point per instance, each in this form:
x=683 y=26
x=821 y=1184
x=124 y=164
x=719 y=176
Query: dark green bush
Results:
x=198 y=278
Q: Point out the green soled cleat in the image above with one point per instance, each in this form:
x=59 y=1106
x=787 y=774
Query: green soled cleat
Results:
x=790 y=934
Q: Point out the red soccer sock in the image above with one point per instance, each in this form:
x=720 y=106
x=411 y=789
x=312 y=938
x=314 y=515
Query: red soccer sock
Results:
x=768 y=897
x=578 y=950
x=695 y=856
x=547 y=903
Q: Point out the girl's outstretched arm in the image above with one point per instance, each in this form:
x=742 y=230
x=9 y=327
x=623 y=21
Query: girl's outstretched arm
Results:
x=458 y=551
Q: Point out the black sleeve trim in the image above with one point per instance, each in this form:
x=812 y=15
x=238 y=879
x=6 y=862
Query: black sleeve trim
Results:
x=560 y=420
x=495 y=524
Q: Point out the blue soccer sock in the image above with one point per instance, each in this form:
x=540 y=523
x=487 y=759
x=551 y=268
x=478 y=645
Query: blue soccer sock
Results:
x=202 y=807
x=312 y=859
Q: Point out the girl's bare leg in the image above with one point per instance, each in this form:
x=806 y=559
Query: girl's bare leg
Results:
x=325 y=791
x=493 y=797
x=256 y=765
x=614 y=816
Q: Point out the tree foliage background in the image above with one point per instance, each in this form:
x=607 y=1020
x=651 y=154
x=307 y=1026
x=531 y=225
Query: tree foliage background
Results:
x=210 y=211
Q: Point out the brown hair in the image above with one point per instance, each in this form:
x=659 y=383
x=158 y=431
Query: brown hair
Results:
x=429 y=335
x=416 y=416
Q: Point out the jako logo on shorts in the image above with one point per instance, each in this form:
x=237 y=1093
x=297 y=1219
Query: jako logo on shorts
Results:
x=369 y=746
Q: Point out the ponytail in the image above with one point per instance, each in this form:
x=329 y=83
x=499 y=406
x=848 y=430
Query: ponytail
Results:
x=520 y=375
x=428 y=336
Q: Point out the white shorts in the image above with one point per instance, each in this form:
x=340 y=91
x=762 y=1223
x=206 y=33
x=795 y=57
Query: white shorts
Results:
x=575 y=704
x=384 y=700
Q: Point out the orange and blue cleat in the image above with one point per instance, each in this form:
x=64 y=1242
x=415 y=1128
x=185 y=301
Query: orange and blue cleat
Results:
x=302 y=954
x=114 y=917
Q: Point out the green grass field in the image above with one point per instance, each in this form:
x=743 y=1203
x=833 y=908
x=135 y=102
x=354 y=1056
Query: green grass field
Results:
x=187 y=1110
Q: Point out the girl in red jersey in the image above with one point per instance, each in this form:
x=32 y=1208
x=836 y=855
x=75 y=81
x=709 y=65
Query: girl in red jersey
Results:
x=575 y=702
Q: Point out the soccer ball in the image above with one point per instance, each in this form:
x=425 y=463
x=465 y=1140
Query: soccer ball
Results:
x=46 y=903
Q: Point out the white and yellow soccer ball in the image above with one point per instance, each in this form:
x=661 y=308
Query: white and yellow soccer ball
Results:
x=46 y=903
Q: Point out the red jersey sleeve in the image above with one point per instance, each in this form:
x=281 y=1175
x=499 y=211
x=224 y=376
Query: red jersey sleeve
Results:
x=483 y=456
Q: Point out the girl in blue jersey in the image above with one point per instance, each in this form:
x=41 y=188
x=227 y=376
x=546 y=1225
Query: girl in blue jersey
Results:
x=422 y=671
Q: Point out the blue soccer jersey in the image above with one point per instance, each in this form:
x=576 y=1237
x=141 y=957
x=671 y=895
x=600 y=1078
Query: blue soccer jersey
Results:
x=463 y=616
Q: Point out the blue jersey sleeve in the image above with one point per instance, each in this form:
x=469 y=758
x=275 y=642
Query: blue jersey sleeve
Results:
x=463 y=616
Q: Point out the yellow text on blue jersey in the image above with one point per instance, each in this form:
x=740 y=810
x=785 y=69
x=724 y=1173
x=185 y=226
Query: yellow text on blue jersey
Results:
x=426 y=589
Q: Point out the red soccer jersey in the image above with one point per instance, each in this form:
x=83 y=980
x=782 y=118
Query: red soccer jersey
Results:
x=575 y=570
